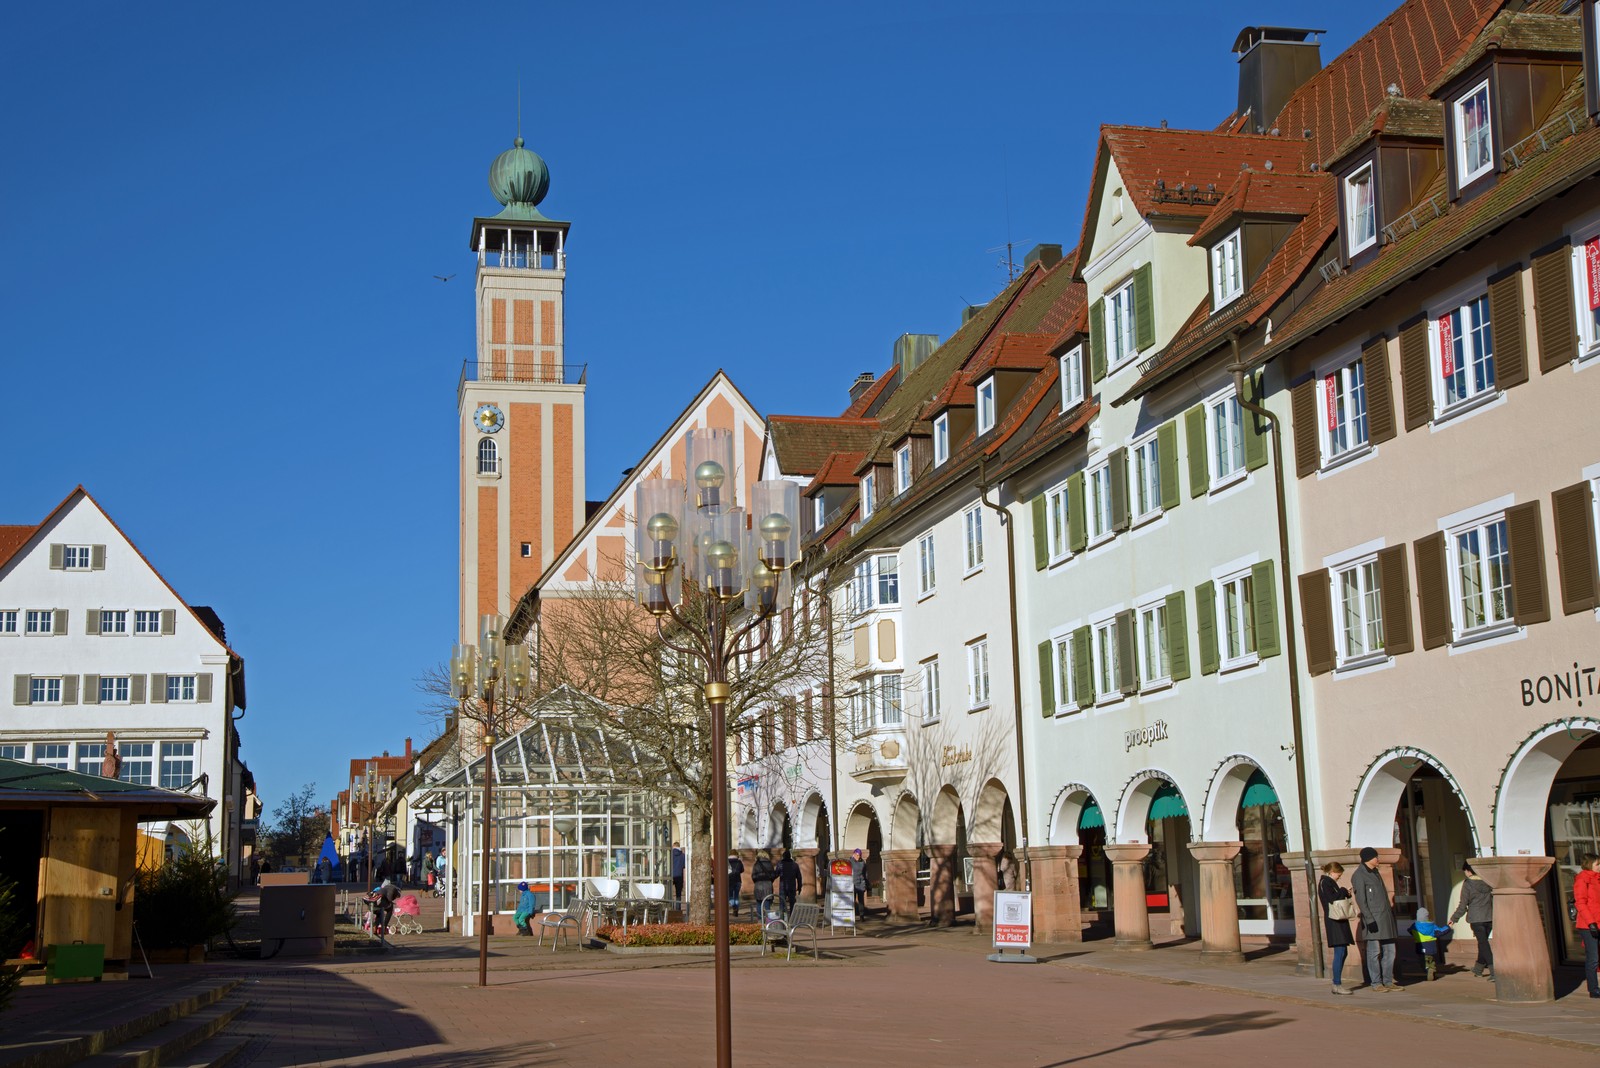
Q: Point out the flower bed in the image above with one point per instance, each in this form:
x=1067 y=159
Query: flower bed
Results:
x=679 y=934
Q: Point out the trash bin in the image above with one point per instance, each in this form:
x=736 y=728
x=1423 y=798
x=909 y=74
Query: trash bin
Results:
x=80 y=960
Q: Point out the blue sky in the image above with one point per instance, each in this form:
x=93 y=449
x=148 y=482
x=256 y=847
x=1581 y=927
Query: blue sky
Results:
x=220 y=227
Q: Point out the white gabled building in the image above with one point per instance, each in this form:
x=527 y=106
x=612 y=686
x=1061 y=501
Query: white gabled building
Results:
x=94 y=642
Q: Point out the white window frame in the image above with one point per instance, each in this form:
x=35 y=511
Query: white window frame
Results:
x=927 y=566
x=1246 y=656
x=1061 y=669
x=1058 y=522
x=1153 y=609
x=881 y=571
x=14 y=751
x=1466 y=355
x=986 y=405
x=1144 y=479
x=113 y=621
x=45 y=755
x=902 y=469
x=138 y=763
x=1107 y=668
x=1121 y=329
x=1072 y=378
x=44 y=690
x=978 y=680
x=1363 y=177
x=1588 y=317
x=8 y=621
x=869 y=485
x=88 y=757
x=819 y=512
x=1227 y=270
x=488 y=458
x=181 y=689
x=147 y=621
x=1493 y=623
x=941 y=438
x=76 y=557
x=1097 y=502
x=891 y=699
x=172 y=780
x=1368 y=587
x=932 y=695
x=1214 y=445
x=40 y=622
x=972 y=539
x=1458 y=107
x=1342 y=400
x=115 y=689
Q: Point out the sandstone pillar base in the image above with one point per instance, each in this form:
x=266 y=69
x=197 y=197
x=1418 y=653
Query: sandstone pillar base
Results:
x=1521 y=958
x=1219 y=902
x=807 y=859
x=900 y=884
x=941 y=885
x=1131 y=913
x=1057 y=916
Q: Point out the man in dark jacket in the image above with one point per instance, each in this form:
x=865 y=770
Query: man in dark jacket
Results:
x=1377 y=921
x=1477 y=905
x=788 y=882
x=678 y=865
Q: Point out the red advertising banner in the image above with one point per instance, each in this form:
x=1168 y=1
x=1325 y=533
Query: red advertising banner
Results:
x=1447 y=346
x=1330 y=393
x=1591 y=263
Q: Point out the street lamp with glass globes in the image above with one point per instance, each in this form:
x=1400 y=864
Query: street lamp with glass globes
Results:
x=696 y=541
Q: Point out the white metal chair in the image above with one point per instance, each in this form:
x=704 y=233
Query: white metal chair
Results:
x=656 y=895
x=803 y=918
x=558 y=922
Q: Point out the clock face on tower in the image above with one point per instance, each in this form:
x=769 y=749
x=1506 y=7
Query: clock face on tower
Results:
x=489 y=418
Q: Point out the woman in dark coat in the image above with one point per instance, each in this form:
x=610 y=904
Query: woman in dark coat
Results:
x=1339 y=937
x=762 y=876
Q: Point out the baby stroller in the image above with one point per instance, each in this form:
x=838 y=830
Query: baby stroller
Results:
x=408 y=915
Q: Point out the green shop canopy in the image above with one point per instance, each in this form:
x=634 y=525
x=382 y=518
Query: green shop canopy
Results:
x=1167 y=802
x=1091 y=817
x=1258 y=792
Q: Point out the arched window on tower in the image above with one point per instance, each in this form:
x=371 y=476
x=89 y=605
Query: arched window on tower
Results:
x=488 y=457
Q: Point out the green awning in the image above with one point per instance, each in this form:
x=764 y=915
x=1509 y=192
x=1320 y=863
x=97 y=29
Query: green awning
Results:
x=1167 y=802
x=1091 y=817
x=1258 y=792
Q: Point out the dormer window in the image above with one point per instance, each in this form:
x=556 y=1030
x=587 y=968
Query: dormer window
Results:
x=902 y=469
x=1474 y=143
x=1227 y=271
x=819 y=512
x=1360 y=211
x=986 y=405
x=868 y=486
x=941 y=439
x=1072 y=379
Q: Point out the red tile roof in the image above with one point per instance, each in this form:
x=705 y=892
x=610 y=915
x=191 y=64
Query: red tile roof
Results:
x=1258 y=193
x=803 y=443
x=840 y=470
x=1181 y=159
x=12 y=539
x=1010 y=352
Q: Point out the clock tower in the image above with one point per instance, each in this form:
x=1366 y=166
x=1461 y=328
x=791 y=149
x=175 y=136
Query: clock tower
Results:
x=519 y=401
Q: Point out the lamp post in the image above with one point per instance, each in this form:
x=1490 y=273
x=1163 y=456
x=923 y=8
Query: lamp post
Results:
x=492 y=674
x=736 y=573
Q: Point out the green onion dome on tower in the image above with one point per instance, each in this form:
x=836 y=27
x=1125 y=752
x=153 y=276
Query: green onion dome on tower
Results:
x=519 y=179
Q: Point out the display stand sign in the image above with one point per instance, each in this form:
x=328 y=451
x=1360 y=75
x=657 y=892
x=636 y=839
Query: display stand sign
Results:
x=841 y=896
x=1013 y=927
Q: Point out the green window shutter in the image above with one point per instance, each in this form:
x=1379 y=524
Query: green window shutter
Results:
x=1097 y=340
x=1316 y=613
x=202 y=687
x=1041 y=535
x=1047 y=682
x=1127 y=654
x=1264 y=592
x=1167 y=448
x=136 y=689
x=1082 y=668
x=1177 y=637
x=22 y=689
x=1255 y=428
x=1077 y=532
x=69 y=689
x=1194 y=429
x=91 y=689
x=158 y=689
x=1118 y=465
x=59 y=627
x=1205 y=625
x=1144 y=310
x=97 y=558
x=58 y=558
x=91 y=621
x=169 y=621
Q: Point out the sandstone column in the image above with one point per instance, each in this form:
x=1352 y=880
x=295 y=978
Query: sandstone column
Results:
x=1521 y=958
x=941 y=885
x=1131 y=914
x=1057 y=913
x=985 y=882
x=1219 y=902
x=807 y=859
x=900 y=884
x=747 y=885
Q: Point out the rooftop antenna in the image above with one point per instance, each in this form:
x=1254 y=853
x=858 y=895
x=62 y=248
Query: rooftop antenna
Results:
x=1009 y=248
x=519 y=105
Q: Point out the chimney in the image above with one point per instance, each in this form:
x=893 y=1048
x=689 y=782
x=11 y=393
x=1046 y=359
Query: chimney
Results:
x=1274 y=61
x=408 y=748
x=911 y=349
x=1044 y=255
x=862 y=383
x=969 y=311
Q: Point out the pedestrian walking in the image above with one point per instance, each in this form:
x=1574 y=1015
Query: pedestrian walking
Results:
x=1429 y=939
x=762 y=876
x=735 y=882
x=1377 y=922
x=1586 y=901
x=858 y=882
x=679 y=865
x=1477 y=905
x=789 y=877
x=1336 y=919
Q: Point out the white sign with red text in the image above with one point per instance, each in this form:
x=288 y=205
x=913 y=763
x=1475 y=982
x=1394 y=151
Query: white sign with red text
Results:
x=1013 y=919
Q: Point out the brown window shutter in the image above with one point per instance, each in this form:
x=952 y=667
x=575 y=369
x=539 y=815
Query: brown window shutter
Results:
x=1395 y=598
x=1505 y=320
x=136 y=689
x=91 y=689
x=1433 y=590
x=59 y=626
x=1573 y=512
x=22 y=689
x=202 y=694
x=158 y=689
x=91 y=621
x=97 y=557
x=1554 y=318
x=1380 y=395
x=1530 y=593
x=1316 y=610
x=169 y=621
x=1415 y=381
x=1307 y=442
x=58 y=557
x=69 y=689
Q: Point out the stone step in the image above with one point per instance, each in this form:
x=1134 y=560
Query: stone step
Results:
x=218 y=1051
x=100 y=1031
x=170 y=1043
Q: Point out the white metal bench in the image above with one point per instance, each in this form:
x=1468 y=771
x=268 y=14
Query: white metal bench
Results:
x=803 y=918
x=573 y=918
